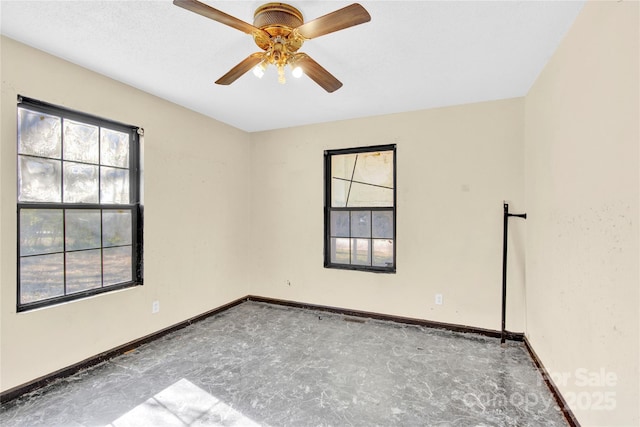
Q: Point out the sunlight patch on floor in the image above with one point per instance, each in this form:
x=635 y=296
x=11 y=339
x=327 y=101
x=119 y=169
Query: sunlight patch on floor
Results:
x=183 y=404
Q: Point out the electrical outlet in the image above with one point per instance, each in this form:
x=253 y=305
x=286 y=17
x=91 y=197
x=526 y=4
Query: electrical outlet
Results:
x=155 y=307
x=439 y=299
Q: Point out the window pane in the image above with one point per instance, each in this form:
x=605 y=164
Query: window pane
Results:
x=41 y=277
x=117 y=265
x=84 y=271
x=40 y=231
x=39 y=180
x=383 y=224
x=80 y=183
x=362 y=179
x=375 y=168
x=341 y=172
x=38 y=134
x=114 y=185
x=361 y=224
x=362 y=195
x=116 y=228
x=82 y=229
x=339 y=193
x=339 y=224
x=361 y=251
x=340 y=252
x=81 y=142
x=114 y=148
x=342 y=165
x=383 y=252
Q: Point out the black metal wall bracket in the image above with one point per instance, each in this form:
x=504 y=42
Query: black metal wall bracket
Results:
x=506 y=216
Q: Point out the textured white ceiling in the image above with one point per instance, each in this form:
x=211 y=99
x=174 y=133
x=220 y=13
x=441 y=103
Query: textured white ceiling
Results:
x=412 y=55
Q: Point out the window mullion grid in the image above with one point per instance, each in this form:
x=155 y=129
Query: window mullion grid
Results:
x=100 y=173
x=395 y=203
x=64 y=250
x=133 y=168
x=371 y=238
x=134 y=197
x=134 y=242
x=393 y=235
x=350 y=237
x=100 y=206
x=101 y=248
x=64 y=211
x=62 y=165
x=369 y=209
x=19 y=250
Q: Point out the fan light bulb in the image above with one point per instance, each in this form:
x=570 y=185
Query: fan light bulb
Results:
x=258 y=71
x=297 y=72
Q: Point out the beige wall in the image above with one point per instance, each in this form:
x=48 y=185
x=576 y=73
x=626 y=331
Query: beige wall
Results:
x=196 y=219
x=582 y=187
x=455 y=166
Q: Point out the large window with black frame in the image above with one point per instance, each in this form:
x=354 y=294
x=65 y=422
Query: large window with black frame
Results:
x=79 y=212
x=360 y=208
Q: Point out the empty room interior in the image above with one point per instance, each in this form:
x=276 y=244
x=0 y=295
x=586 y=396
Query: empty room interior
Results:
x=251 y=292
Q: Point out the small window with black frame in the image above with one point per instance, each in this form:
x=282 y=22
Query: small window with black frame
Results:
x=360 y=208
x=78 y=200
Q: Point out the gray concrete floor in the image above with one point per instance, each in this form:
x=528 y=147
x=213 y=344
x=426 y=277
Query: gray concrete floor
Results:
x=264 y=365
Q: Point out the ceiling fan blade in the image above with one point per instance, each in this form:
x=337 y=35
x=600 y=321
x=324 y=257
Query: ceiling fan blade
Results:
x=217 y=15
x=334 y=21
x=245 y=65
x=317 y=73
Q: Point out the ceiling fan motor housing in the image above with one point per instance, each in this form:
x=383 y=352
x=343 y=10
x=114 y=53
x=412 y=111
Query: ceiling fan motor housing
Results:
x=278 y=19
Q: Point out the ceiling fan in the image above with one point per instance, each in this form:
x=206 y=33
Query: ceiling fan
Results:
x=279 y=30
